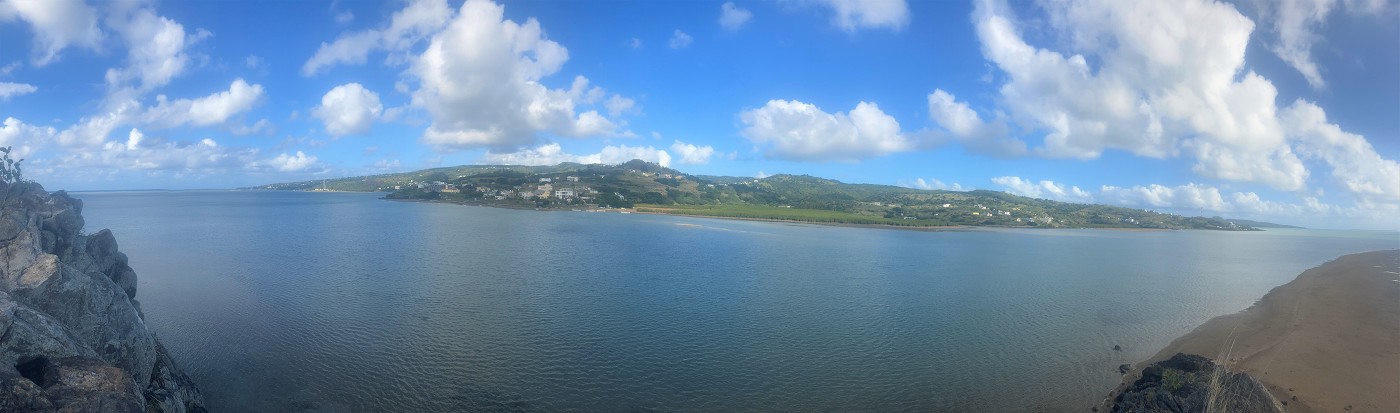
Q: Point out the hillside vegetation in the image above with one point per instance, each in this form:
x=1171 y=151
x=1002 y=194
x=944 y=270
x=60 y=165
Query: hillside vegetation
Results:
x=649 y=187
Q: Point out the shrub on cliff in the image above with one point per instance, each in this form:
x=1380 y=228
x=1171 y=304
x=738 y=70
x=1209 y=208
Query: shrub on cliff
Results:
x=9 y=168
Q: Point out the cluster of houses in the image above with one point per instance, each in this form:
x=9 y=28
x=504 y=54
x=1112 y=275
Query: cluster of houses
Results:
x=568 y=190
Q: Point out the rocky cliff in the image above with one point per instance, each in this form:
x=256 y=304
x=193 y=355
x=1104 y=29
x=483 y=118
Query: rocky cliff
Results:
x=72 y=335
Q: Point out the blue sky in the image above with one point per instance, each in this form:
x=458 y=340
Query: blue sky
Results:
x=1284 y=111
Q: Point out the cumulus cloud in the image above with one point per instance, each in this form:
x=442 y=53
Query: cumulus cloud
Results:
x=348 y=109
x=1167 y=79
x=9 y=89
x=1354 y=162
x=22 y=138
x=480 y=80
x=964 y=125
x=159 y=155
x=799 y=131
x=139 y=152
x=209 y=110
x=156 y=52
x=1189 y=196
x=932 y=184
x=1296 y=23
x=57 y=24
x=853 y=15
x=415 y=22
x=553 y=154
x=679 y=40
x=732 y=17
x=291 y=163
x=1043 y=189
x=691 y=154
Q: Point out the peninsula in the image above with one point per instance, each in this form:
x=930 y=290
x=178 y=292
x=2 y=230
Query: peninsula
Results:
x=647 y=187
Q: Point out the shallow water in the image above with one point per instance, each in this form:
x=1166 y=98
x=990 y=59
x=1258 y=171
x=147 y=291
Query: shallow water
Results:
x=289 y=301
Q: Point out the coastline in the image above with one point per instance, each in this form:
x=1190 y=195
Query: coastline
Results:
x=1327 y=341
x=929 y=228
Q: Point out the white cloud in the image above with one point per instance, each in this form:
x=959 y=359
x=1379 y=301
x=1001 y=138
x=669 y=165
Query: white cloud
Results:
x=291 y=163
x=967 y=127
x=1295 y=23
x=140 y=152
x=57 y=24
x=732 y=17
x=155 y=52
x=1190 y=196
x=679 y=40
x=853 y=15
x=636 y=43
x=23 y=138
x=553 y=154
x=1168 y=79
x=618 y=105
x=1043 y=190
x=261 y=127
x=801 y=131
x=9 y=89
x=933 y=184
x=691 y=154
x=480 y=81
x=90 y=132
x=416 y=22
x=209 y=110
x=348 y=109
x=1355 y=163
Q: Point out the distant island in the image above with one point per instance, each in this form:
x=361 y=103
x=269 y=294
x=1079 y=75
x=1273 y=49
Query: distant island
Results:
x=651 y=188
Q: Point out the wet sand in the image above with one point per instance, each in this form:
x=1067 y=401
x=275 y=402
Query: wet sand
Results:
x=1329 y=341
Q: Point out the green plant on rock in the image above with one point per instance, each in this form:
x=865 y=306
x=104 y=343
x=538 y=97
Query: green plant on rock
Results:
x=9 y=168
x=1173 y=379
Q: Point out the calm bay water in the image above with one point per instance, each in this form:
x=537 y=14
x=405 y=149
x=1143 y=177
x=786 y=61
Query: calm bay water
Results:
x=286 y=301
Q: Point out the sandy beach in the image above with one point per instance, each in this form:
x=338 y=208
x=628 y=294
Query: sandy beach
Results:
x=1329 y=341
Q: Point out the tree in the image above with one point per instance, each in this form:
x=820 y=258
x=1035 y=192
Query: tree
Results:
x=9 y=168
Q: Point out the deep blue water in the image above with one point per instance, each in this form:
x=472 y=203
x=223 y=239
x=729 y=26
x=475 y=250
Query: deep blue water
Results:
x=289 y=301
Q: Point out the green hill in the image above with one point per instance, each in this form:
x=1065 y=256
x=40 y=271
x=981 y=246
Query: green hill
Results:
x=649 y=187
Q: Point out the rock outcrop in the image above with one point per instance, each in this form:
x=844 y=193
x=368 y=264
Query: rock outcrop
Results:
x=1187 y=383
x=72 y=335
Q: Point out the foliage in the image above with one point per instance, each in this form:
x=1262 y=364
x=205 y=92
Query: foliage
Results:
x=10 y=171
x=1173 y=379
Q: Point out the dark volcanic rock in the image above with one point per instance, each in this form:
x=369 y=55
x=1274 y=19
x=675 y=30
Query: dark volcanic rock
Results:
x=1188 y=383
x=72 y=336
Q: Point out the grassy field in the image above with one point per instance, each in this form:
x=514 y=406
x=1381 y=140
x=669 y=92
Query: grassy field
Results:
x=777 y=213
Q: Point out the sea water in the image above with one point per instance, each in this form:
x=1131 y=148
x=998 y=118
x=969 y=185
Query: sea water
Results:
x=292 y=301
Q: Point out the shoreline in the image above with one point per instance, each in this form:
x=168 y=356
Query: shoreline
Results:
x=1329 y=340
x=929 y=228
